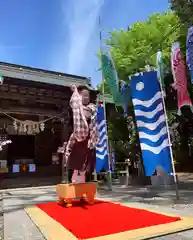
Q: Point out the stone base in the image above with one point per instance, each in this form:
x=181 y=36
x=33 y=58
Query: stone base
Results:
x=66 y=192
x=162 y=180
x=134 y=181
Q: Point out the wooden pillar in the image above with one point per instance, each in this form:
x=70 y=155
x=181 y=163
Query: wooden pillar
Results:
x=44 y=145
x=66 y=131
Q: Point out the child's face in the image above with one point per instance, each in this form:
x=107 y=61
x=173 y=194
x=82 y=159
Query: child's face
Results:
x=85 y=97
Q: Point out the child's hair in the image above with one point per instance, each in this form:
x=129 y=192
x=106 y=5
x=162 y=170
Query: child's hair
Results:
x=81 y=88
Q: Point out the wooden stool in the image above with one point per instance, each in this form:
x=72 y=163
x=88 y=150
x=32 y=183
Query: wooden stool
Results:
x=66 y=192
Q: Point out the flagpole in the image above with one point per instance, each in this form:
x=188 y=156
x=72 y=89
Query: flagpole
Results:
x=170 y=143
x=104 y=107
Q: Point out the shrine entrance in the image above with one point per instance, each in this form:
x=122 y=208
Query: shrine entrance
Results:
x=21 y=150
x=29 y=160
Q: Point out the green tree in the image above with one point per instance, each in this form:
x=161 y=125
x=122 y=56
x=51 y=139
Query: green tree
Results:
x=100 y=88
x=133 y=49
x=184 y=9
x=122 y=134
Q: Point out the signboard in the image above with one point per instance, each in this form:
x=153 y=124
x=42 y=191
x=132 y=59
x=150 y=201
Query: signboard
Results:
x=15 y=168
x=3 y=163
x=32 y=167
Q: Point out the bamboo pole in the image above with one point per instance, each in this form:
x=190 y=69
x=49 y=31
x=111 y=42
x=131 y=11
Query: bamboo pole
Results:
x=170 y=144
x=63 y=163
x=105 y=117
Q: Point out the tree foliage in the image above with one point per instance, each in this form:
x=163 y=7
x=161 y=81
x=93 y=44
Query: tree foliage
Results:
x=122 y=135
x=100 y=87
x=184 y=9
x=132 y=49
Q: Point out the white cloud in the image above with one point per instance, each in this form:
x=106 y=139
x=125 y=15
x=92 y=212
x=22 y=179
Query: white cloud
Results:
x=81 y=17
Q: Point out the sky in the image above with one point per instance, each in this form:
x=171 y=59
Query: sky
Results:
x=63 y=35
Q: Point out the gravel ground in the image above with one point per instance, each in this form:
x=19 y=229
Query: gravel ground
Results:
x=1 y=218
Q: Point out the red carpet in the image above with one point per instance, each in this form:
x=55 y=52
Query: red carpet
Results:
x=102 y=218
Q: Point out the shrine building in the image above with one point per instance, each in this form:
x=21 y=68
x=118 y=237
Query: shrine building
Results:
x=33 y=119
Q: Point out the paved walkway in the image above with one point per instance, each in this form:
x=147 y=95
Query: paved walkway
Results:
x=18 y=226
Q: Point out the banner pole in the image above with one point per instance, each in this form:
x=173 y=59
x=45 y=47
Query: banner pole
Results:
x=170 y=144
x=105 y=116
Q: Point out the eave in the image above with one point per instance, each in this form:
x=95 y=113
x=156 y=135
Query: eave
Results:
x=42 y=76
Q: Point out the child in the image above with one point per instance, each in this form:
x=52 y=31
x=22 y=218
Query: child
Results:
x=80 y=150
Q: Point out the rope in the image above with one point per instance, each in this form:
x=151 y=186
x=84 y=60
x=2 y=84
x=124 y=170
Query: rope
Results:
x=39 y=122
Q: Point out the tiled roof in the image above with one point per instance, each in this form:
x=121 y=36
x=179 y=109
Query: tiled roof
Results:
x=40 y=75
